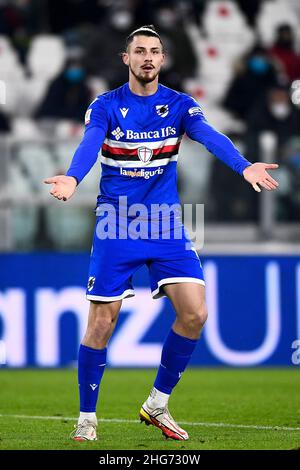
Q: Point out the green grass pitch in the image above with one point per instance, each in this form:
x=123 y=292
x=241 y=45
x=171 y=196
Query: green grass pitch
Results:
x=221 y=409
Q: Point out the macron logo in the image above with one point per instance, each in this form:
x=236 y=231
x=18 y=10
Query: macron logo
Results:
x=124 y=111
x=93 y=386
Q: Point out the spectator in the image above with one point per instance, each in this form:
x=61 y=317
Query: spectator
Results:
x=68 y=95
x=181 y=61
x=276 y=113
x=230 y=200
x=284 y=53
x=255 y=75
x=104 y=46
x=289 y=194
x=273 y=113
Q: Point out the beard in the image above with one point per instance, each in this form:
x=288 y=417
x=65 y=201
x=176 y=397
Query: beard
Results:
x=144 y=77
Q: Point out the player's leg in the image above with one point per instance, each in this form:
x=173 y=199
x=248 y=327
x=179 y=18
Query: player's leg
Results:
x=188 y=300
x=91 y=364
x=176 y=271
x=101 y=323
x=112 y=265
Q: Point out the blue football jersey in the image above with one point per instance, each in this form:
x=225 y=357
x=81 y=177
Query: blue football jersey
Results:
x=142 y=139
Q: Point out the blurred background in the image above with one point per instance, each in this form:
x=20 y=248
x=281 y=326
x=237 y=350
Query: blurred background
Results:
x=241 y=61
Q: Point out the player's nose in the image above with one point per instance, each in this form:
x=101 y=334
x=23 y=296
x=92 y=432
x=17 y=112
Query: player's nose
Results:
x=147 y=62
x=148 y=56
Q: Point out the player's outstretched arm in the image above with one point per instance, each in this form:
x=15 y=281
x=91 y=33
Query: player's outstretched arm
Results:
x=197 y=128
x=63 y=187
x=256 y=174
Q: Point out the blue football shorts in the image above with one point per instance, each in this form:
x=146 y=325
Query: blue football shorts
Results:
x=114 y=261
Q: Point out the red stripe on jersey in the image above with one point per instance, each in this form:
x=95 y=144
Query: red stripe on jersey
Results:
x=124 y=151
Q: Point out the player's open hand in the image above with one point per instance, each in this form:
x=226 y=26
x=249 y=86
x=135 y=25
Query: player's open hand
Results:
x=63 y=186
x=256 y=174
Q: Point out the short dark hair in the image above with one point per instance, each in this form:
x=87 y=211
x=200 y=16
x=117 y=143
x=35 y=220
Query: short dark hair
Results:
x=146 y=30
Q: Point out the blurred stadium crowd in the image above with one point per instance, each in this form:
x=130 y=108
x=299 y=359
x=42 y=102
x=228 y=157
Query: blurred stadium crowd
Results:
x=240 y=59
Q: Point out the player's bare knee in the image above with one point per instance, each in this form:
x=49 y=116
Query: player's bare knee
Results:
x=203 y=314
x=101 y=325
x=195 y=319
x=103 y=317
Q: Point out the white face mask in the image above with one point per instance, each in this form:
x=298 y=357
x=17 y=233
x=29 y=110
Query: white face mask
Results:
x=280 y=110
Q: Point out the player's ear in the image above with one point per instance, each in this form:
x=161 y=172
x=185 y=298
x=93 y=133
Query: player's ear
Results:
x=125 y=58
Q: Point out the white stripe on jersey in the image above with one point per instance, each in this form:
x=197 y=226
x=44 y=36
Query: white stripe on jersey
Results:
x=150 y=145
x=138 y=164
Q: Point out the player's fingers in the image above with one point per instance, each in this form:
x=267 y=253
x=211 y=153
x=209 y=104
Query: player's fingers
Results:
x=50 y=180
x=265 y=185
x=55 y=189
x=256 y=187
x=271 y=184
x=271 y=166
x=271 y=180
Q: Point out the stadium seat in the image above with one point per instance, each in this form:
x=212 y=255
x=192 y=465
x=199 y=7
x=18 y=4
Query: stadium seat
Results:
x=8 y=56
x=46 y=56
x=24 y=218
x=11 y=73
x=18 y=181
x=294 y=6
x=70 y=227
x=216 y=70
x=32 y=90
x=193 y=171
x=64 y=152
x=24 y=128
x=227 y=27
x=24 y=226
x=36 y=161
x=216 y=57
x=270 y=16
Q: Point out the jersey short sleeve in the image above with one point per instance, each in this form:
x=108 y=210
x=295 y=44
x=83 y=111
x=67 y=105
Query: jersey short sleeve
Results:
x=97 y=115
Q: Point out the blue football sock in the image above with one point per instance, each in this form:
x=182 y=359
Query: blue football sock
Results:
x=91 y=364
x=176 y=353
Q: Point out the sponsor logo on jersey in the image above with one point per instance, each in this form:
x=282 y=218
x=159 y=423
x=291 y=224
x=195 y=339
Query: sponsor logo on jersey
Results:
x=117 y=133
x=145 y=154
x=141 y=173
x=195 y=110
x=124 y=111
x=162 y=110
x=162 y=132
x=87 y=116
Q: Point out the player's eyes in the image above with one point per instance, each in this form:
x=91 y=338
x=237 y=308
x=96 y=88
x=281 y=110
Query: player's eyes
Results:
x=143 y=52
